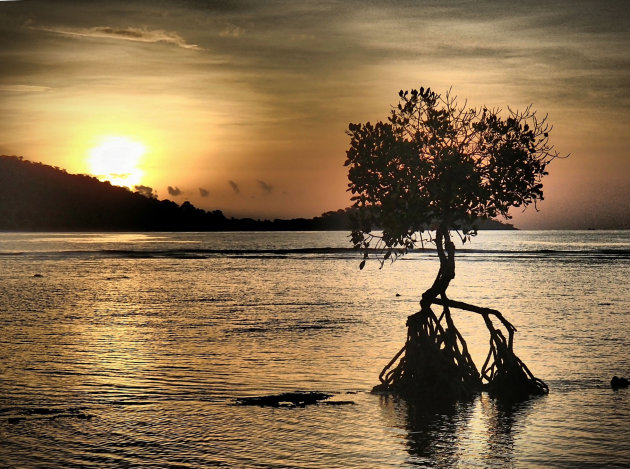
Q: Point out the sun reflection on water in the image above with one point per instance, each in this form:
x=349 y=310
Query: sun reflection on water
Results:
x=155 y=348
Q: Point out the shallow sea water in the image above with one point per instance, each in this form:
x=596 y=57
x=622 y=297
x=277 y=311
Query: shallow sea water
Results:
x=129 y=350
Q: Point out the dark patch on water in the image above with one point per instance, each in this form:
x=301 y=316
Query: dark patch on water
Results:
x=20 y=414
x=292 y=399
x=286 y=399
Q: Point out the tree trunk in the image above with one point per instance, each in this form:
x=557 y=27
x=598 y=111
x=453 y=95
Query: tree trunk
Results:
x=435 y=362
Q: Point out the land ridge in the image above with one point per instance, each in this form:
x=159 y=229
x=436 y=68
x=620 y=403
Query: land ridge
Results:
x=39 y=197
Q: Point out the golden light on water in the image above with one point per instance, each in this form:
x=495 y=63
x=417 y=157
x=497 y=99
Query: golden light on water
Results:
x=116 y=159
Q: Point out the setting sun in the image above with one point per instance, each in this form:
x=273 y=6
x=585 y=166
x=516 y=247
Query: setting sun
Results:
x=116 y=159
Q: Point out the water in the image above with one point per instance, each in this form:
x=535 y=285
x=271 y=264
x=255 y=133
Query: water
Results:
x=129 y=350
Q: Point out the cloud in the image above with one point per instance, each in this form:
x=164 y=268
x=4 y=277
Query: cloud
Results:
x=231 y=31
x=174 y=191
x=125 y=34
x=24 y=88
x=145 y=191
x=234 y=187
x=265 y=186
x=203 y=192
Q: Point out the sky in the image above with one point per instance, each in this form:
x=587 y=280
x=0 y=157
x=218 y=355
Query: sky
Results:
x=242 y=106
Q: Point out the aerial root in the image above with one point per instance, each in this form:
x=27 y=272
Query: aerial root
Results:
x=435 y=362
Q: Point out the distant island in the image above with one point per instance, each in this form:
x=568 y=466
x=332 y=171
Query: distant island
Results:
x=39 y=197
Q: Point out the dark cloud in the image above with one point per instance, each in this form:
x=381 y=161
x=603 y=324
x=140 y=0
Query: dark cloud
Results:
x=203 y=192
x=234 y=187
x=145 y=191
x=268 y=188
x=174 y=191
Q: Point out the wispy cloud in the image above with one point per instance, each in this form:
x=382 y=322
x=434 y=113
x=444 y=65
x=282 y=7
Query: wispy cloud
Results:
x=125 y=34
x=232 y=31
x=203 y=192
x=174 y=191
x=234 y=187
x=24 y=88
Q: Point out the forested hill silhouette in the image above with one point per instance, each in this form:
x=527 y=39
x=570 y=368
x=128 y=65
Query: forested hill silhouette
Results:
x=39 y=197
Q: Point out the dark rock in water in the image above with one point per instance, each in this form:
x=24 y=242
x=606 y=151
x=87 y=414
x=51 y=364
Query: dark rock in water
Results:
x=617 y=382
x=287 y=399
x=37 y=276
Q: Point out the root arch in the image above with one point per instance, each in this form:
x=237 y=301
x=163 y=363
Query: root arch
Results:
x=435 y=361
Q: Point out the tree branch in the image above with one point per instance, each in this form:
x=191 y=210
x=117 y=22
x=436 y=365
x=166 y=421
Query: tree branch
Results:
x=475 y=309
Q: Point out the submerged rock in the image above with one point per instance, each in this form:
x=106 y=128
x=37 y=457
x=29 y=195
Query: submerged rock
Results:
x=287 y=399
x=617 y=382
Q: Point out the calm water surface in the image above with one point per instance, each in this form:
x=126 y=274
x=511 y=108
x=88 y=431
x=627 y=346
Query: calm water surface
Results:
x=129 y=350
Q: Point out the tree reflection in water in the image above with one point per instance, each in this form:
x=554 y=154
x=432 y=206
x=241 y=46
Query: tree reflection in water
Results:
x=480 y=432
x=503 y=421
x=432 y=431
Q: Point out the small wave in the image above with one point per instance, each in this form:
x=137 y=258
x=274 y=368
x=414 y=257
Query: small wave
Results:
x=282 y=326
x=548 y=253
x=578 y=385
x=201 y=300
x=129 y=403
x=326 y=252
x=286 y=303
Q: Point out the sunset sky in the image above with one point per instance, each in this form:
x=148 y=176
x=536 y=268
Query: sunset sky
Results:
x=242 y=105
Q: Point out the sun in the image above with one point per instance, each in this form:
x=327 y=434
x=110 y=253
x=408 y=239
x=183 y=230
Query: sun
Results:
x=116 y=159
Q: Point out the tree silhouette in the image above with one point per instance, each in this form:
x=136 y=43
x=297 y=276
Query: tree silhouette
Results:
x=433 y=169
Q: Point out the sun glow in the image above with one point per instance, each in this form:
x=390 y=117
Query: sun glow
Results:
x=116 y=159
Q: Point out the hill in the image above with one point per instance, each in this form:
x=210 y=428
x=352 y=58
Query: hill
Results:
x=39 y=197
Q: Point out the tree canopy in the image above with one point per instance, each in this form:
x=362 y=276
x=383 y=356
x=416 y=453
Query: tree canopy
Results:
x=438 y=163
